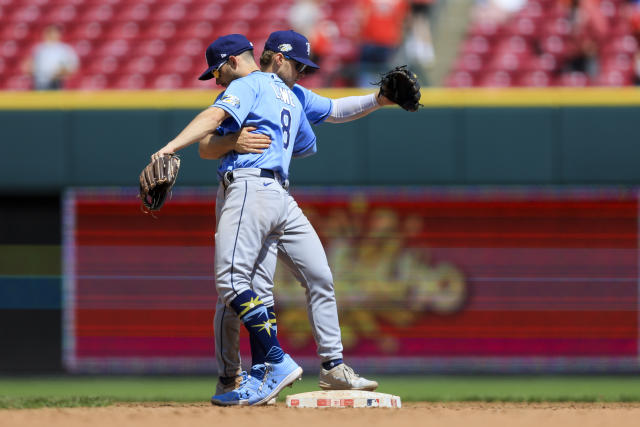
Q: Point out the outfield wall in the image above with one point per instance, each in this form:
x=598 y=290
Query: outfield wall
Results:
x=536 y=138
x=558 y=137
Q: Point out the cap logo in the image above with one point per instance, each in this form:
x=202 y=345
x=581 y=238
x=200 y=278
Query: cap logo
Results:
x=285 y=47
x=222 y=55
x=308 y=48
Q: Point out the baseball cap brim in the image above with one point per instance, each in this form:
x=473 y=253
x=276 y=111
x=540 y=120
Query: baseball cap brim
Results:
x=207 y=74
x=305 y=61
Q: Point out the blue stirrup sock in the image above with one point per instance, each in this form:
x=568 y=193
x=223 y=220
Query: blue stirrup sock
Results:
x=257 y=353
x=262 y=332
x=330 y=364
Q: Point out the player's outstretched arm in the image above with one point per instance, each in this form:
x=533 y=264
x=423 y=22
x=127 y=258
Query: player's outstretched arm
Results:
x=205 y=123
x=352 y=108
x=215 y=146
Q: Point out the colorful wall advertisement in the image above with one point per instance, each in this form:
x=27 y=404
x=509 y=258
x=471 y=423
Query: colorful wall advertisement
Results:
x=493 y=280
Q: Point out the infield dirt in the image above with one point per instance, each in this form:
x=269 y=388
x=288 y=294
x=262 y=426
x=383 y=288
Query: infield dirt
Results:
x=412 y=414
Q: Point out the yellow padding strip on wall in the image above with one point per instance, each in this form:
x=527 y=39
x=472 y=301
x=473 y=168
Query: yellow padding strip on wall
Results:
x=196 y=99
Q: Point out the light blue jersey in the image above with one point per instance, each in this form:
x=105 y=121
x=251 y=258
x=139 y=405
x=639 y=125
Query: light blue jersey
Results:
x=317 y=108
x=263 y=101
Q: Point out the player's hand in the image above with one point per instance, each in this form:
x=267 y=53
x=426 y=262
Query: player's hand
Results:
x=164 y=150
x=383 y=100
x=249 y=142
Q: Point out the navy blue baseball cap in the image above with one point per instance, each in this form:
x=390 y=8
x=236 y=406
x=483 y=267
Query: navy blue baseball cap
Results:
x=292 y=45
x=221 y=49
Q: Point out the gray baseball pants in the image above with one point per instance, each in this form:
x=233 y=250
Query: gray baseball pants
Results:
x=247 y=248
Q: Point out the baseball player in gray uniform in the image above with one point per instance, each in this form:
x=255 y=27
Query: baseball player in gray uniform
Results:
x=253 y=207
x=299 y=247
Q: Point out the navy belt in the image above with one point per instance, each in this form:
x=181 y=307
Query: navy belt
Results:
x=267 y=173
x=264 y=173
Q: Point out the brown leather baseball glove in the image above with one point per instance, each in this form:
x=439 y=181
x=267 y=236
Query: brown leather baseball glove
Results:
x=157 y=179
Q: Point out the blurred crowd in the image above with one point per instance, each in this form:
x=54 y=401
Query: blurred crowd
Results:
x=86 y=44
x=89 y=44
x=550 y=43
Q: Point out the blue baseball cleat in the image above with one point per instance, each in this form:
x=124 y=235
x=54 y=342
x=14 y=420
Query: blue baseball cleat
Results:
x=273 y=377
x=239 y=396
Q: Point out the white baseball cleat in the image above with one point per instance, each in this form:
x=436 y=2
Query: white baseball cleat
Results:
x=222 y=388
x=342 y=377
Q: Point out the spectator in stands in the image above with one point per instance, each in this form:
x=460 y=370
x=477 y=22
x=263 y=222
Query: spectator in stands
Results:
x=304 y=16
x=418 y=45
x=381 y=30
x=52 y=61
x=589 y=29
x=633 y=14
x=307 y=18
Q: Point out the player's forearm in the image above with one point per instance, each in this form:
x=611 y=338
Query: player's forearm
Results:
x=215 y=146
x=202 y=125
x=353 y=107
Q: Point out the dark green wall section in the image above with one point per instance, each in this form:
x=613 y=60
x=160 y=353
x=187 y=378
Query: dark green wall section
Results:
x=435 y=146
x=30 y=283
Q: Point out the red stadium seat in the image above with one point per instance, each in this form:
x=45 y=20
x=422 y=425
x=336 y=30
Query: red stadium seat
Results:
x=573 y=79
x=135 y=12
x=167 y=81
x=86 y=30
x=129 y=30
x=478 y=45
x=150 y=47
x=97 y=13
x=202 y=29
x=191 y=47
x=169 y=12
x=27 y=13
x=523 y=27
x=129 y=82
x=161 y=30
x=140 y=65
x=531 y=10
x=10 y=49
x=180 y=64
x=17 y=82
x=116 y=48
x=83 y=48
x=15 y=31
x=206 y=11
x=621 y=62
x=557 y=27
x=486 y=29
x=89 y=82
x=102 y=65
x=496 y=79
x=621 y=44
x=505 y=61
x=544 y=62
x=615 y=78
x=60 y=14
x=460 y=79
x=536 y=78
x=471 y=63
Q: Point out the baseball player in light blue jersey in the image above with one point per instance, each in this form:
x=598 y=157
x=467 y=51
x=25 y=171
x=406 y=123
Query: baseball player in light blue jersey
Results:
x=252 y=206
x=299 y=247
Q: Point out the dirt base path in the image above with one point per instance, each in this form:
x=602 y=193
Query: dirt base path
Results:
x=412 y=414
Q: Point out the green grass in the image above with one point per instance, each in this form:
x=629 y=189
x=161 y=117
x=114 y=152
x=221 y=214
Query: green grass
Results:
x=30 y=392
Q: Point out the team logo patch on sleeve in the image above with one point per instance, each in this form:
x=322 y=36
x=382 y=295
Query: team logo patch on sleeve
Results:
x=231 y=100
